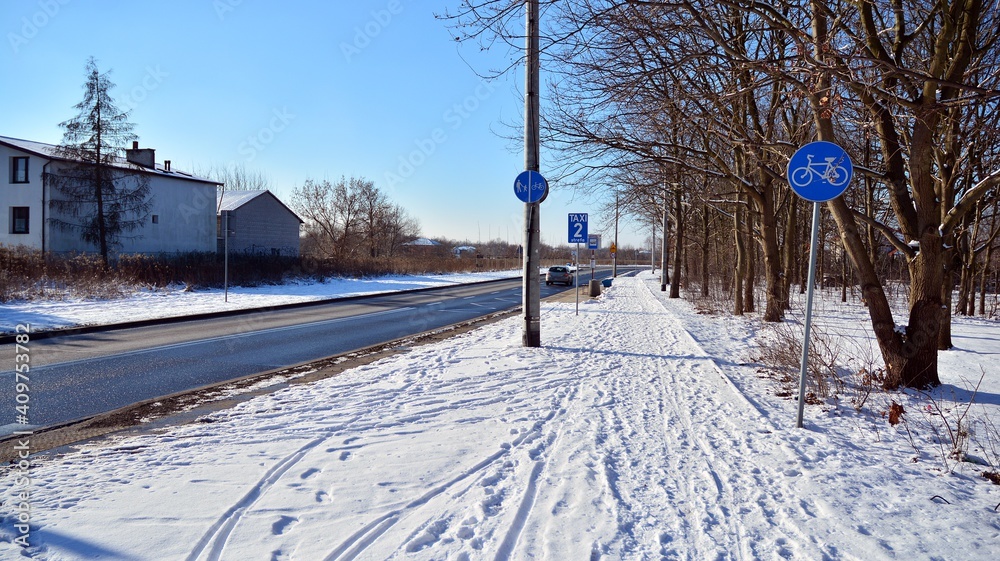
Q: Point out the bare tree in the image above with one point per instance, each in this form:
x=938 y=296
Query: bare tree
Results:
x=237 y=177
x=352 y=217
x=728 y=89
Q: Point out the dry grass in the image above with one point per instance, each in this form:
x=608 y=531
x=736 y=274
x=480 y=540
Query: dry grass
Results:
x=28 y=275
x=779 y=350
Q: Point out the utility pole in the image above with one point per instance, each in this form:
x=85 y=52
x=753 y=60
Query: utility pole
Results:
x=225 y=274
x=614 y=256
x=531 y=291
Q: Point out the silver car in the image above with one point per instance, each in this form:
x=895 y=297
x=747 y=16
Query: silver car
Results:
x=559 y=274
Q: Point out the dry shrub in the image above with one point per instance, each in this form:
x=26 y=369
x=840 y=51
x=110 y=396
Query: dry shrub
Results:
x=779 y=350
x=26 y=274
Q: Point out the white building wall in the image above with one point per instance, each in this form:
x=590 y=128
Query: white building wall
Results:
x=185 y=212
x=21 y=195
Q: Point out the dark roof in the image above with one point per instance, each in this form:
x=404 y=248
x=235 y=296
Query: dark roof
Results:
x=51 y=152
x=234 y=199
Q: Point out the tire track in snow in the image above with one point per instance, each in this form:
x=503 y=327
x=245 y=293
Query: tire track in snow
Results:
x=762 y=524
x=640 y=496
x=506 y=549
x=356 y=544
x=561 y=399
x=214 y=541
x=361 y=541
x=705 y=502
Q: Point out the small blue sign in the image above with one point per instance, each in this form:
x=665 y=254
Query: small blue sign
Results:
x=578 y=227
x=593 y=242
x=530 y=186
x=820 y=171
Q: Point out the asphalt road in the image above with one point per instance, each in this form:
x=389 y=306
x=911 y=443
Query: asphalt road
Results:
x=77 y=376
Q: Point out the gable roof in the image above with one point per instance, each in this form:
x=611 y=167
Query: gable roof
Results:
x=51 y=152
x=233 y=199
x=423 y=242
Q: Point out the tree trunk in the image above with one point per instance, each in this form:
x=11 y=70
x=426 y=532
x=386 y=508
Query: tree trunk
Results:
x=982 y=282
x=664 y=276
x=775 y=300
x=741 y=259
x=706 y=234
x=843 y=277
x=750 y=249
x=952 y=262
x=803 y=269
x=102 y=230
x=675 y=282
x=921 y=343
x=789 y=258
x=750 y=279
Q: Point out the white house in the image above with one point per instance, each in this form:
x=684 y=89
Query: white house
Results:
x=181 y=216
x=259 y=223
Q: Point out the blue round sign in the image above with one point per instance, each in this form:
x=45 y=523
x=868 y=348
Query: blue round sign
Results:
x=820 y=171
x=530 y=186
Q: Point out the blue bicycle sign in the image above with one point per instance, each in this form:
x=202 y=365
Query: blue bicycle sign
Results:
x=820 y=171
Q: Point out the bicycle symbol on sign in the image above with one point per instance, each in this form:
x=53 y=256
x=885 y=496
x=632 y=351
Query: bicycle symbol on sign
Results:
x=827 y=170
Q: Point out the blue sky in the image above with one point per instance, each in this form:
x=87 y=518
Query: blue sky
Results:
x=298 y=90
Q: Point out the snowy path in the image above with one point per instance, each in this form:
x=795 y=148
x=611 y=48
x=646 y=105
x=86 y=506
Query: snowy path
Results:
x=619 y=439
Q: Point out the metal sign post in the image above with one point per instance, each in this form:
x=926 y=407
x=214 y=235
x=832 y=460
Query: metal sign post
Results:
x=817 y=172
x=593 y=242
x=578 y=226
x=225 y=274
x=576 y=278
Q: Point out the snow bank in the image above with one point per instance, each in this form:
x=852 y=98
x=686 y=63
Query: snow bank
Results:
x=174 y=302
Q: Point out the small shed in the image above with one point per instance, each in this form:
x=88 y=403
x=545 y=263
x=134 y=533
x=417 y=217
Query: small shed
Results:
x=259 y=223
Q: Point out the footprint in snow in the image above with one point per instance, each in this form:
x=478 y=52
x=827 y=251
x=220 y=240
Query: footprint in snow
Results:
x=282 y=525
x=428 y=537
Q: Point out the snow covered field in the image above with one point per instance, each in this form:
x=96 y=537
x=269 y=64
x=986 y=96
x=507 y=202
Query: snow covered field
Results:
x=635 y=432
x=172 y=302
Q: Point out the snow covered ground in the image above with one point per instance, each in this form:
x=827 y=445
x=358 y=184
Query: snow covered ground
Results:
x=172 y=302
x=636 y=432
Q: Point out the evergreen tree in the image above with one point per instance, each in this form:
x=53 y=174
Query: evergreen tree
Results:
x=95 y=191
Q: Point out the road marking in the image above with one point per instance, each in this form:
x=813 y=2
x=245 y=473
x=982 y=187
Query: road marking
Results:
x=220 y=338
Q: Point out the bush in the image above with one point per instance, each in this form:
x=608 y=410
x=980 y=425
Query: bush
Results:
x=779 y=350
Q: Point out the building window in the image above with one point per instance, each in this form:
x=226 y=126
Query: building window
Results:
x=19 y=169
x=18 y=220
x=156 y=219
